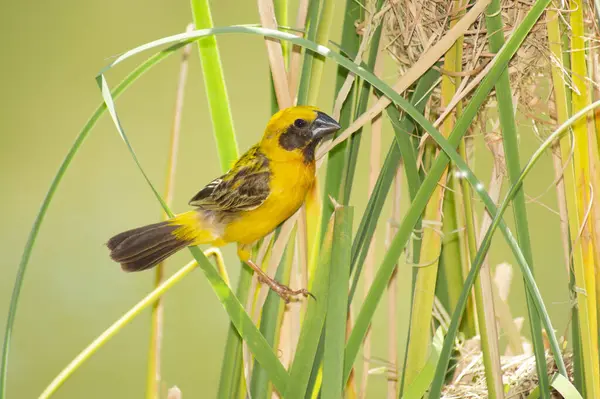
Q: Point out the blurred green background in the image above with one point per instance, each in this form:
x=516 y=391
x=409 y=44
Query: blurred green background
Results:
x=73 y=291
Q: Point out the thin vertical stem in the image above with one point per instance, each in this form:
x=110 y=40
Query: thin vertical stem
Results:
x=585 y=291
x=153 y=376
x=392 y=291
x=318 y=61
x=484 y=289
x=374 y=168
x=494 y=25
x=275 y=52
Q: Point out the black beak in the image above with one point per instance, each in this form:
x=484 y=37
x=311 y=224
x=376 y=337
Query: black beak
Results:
x=324 y=125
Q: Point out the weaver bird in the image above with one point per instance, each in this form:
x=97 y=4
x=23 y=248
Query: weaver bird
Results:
x=264 y=187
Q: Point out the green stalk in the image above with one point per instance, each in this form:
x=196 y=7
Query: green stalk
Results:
x=281 y=13
x=584 y=272
x=508 y=126
x=336 y=159
x=312 y=23
x=337 y=306
x=341 y=162
x=426 y=277
x=424 y=287
x=562 y=101
x=454 y=256
x=223 y=130
x=214 y=84
x=484 y=301
x=318 y=61
x=83 y=134
x=362 y=100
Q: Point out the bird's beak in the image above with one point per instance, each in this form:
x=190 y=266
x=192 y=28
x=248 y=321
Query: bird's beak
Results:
x=324 y=125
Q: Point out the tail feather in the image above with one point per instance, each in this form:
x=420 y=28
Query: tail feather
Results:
x=145 y=247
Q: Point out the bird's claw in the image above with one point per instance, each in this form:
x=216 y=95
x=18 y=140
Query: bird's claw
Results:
x=286 y=293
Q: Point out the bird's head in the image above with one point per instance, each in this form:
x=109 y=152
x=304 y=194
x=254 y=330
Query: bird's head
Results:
x=295 y=132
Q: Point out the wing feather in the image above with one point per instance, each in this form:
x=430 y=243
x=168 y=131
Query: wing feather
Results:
x=243 y=188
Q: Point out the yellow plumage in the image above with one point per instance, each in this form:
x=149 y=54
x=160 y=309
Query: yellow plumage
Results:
x=263 y=188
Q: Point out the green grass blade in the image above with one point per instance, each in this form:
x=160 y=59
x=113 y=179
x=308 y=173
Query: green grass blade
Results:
x=312 y=21
x=361 y=105
x=313 y=323
x=562 y=385
x=508 y=126
x=223 y=130
x=214 y=84
x=83 y=134
x=336 y=159
x=238 y=316
x=337 y=305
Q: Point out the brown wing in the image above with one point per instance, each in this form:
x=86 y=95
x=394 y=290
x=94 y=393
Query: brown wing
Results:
x=243 y=188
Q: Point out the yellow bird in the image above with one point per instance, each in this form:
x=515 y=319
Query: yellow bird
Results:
x=264 y=187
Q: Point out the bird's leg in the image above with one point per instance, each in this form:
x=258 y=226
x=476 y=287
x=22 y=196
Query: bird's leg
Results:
x=283 y=291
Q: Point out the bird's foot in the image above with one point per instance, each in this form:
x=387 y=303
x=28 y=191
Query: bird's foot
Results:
x=285 y=292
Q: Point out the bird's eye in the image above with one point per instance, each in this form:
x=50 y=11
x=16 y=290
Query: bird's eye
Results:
x=300 y=123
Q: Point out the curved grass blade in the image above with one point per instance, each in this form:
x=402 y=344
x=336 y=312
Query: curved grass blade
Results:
x=238 y=316
x=83 y=134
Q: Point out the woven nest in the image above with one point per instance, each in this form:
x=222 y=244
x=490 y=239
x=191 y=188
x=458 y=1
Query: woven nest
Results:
x=518 y=373
x=414 y=26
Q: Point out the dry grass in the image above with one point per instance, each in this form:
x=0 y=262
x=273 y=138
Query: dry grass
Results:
x=519 y=374
x=414 y=26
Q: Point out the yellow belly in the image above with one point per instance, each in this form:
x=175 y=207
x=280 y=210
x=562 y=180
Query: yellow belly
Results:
x=289 y=185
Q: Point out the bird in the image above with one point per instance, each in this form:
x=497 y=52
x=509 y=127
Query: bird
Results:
x=263 y=188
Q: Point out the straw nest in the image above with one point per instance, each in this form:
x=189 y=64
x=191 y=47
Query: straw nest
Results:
x=414 y=26
x=518 y=374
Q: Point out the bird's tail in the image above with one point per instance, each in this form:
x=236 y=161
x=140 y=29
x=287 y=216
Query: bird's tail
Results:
x=145 y=247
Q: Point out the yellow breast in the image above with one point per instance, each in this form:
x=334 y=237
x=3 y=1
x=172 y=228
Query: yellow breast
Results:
x=289 y=184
